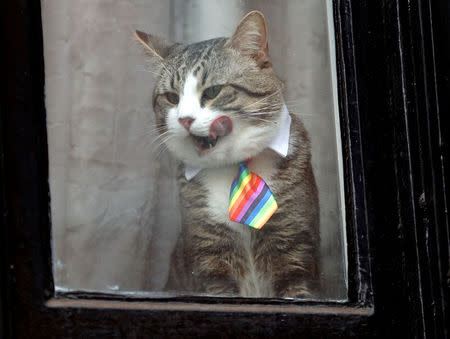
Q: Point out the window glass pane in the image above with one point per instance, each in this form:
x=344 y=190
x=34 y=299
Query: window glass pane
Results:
x=116 y=208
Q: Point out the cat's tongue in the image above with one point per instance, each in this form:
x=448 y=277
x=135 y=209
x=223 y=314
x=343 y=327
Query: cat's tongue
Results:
x=220 y=127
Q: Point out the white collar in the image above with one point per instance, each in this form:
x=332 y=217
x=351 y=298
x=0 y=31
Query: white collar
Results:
x=279 y=144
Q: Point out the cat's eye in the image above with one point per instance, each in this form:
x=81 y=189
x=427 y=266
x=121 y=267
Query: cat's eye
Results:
x=173 y=98
x=211 y=92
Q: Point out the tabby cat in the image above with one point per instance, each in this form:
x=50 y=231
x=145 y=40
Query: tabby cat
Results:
x=218 y=103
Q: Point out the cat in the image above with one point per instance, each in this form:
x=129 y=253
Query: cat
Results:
x=217 y=103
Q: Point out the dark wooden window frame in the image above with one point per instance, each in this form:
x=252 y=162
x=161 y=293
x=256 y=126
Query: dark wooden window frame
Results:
x=392 y=79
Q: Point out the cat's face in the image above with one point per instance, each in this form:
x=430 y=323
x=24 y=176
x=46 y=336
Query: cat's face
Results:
x=218 y=101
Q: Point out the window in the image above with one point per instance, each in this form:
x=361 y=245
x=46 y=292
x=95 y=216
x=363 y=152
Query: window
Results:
x=396 y=219
x=113 y=186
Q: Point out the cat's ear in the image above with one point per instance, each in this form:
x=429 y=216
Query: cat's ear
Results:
x=158 y=47
x=250 y=38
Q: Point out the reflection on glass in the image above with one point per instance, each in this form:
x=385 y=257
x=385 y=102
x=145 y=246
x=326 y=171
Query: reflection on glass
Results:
x=125 y=217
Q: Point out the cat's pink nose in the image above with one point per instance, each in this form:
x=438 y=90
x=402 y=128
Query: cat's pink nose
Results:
x=186 y=122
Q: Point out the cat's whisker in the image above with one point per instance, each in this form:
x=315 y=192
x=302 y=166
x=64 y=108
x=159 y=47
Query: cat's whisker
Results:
x=273 y=112
x=163 y=146
x=239 y=114
x=144 y=134
x=147 y=137
x=254 y=114
x=157 y=130
x=158 y=150
x=161 y=138
x=295 y=106
x=263 y=113
x=277 y=104
x=266 y=110
x=265 y=120
x=158 y=156
x=266 y=107
x=290 y=103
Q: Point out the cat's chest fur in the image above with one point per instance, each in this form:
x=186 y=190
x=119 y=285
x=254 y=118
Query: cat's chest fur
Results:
x=217 y=183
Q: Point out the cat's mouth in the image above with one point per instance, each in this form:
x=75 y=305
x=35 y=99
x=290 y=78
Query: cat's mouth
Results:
x=203 y=144
x=219 y=128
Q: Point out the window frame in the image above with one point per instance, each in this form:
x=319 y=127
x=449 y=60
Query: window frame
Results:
x=386 y=72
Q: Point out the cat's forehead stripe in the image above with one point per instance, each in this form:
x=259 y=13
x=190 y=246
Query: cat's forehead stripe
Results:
x=205 y=75
x=196 y=70
x=194 y=59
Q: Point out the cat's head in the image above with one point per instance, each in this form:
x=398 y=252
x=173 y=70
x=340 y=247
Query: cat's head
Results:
x=217 y=101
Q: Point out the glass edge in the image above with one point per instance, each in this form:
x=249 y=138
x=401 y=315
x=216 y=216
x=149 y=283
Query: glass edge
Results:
x=333 y=68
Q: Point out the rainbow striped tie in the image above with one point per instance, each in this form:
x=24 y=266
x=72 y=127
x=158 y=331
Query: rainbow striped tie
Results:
x=251 y=201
